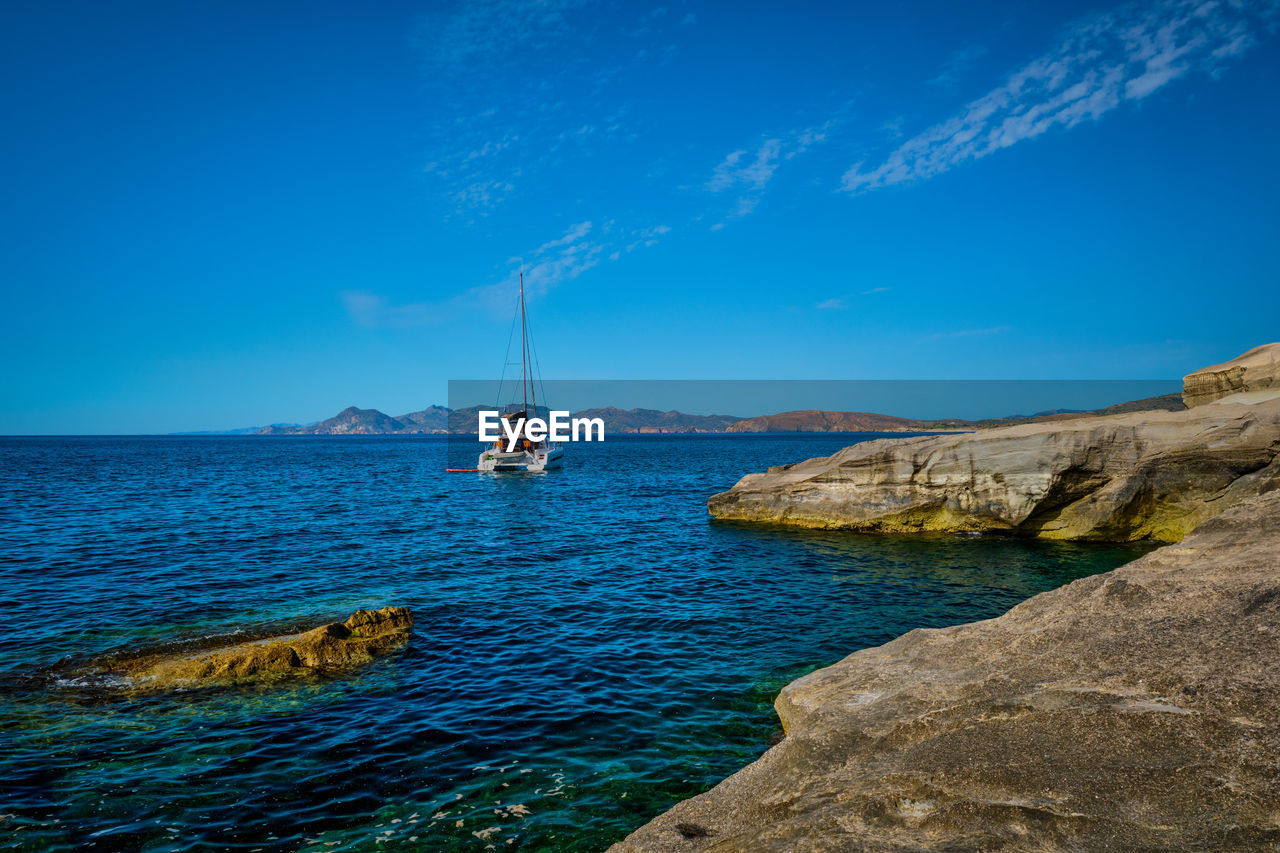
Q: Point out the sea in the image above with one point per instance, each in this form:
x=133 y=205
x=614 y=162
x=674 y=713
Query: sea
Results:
x=589 y=648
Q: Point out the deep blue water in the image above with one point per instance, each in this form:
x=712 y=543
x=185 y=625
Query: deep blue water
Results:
x=589 y=647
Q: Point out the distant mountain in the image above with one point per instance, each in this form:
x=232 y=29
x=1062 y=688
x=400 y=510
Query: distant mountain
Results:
x=813 y=420
x=432 y=419
x=350 y=421
x=624 y=421
x=439 y=420
x=1163 y=403
x=240 y=431
x=817 y=420
x=654 y=421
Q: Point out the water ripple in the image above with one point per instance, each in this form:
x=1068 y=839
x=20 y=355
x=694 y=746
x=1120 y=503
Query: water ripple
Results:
x=589 y=648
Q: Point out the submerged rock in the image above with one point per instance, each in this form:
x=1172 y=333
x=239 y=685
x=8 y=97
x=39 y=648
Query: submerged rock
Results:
x=365 y=634
x=1133 y=710
x=1142 y=475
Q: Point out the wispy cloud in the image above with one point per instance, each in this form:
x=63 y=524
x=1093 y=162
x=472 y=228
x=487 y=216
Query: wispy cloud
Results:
x=478 y=28
x=483 y=193
x=739 y=170
x=958 y=64
x=749 y=173
x=573 y=235
x=582 y=247
x=550 y=264
x=807 y=138
x=1101 y=63
x=836 y=303
x=645 y=237
x=371 y=311
x=546 y=102
x=971 y=333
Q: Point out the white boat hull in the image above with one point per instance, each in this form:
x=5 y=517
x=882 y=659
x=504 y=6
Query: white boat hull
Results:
x=541 y=459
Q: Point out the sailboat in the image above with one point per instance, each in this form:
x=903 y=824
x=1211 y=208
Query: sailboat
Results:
x=528 y=454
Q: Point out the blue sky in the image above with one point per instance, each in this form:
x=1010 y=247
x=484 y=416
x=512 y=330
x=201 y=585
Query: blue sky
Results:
x=218 y=215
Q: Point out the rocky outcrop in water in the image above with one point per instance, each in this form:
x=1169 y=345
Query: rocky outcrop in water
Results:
x=1133 y=710
x=1148 y=475
x=364 y=635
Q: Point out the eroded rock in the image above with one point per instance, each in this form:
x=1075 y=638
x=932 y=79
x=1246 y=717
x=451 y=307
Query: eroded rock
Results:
x=1133 y=710
x=1256 y=370
x=364 y=635
x=1141 y=475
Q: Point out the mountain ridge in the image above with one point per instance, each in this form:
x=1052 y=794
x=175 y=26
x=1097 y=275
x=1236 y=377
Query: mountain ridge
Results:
x=436 y=420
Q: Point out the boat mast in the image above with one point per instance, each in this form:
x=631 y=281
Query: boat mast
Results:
x=524 y=349
x=533 y=388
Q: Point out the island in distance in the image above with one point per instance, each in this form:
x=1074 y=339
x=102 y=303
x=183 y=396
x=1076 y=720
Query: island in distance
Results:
x=441 y=420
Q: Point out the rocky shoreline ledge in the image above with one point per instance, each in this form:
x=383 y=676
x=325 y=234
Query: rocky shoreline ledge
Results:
x=1143 y=475
x=1133 y=710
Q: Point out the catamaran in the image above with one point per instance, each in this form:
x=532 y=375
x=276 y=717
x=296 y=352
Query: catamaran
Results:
x=527 y=454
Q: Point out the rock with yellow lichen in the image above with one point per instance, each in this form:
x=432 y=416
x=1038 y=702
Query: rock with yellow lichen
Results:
x=363 y=636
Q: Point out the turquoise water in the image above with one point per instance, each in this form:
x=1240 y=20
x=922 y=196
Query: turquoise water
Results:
x=589 y=647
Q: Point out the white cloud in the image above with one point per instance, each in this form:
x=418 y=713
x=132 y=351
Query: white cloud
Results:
x=555 y=261
x=749 y=174
x=479 y=28
x=1102 y=62
x=482 y=194
x=552 y=263
x=545 y=104
x=573 y=235
x=972 y=333
x=836 y=303
x=490 y=148
x=734 y=172
x=371 y=311
x=958 y=64
x=646 y=237
x=807 y=138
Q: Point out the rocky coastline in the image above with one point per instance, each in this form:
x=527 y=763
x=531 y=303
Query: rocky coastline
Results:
x=1141 y=475
x=1132 y=710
